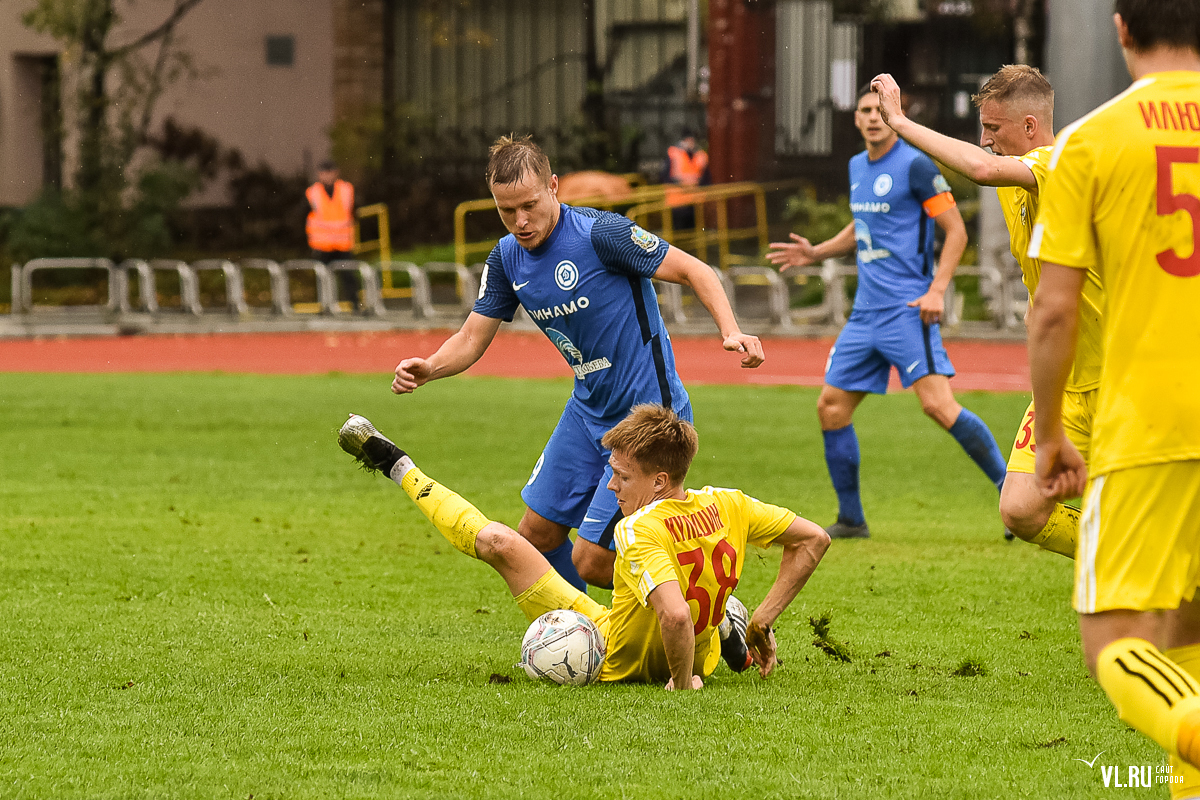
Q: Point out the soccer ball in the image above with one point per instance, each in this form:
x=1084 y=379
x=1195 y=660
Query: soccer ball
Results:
x=563 y=646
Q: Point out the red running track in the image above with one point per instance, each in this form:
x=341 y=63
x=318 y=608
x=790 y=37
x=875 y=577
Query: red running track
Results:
x=981 y=365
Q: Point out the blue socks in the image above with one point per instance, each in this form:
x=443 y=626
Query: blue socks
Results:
x=842 y=458
x=560 y=559
x=973 y=434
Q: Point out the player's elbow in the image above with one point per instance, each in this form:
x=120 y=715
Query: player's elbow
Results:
x=675 y=622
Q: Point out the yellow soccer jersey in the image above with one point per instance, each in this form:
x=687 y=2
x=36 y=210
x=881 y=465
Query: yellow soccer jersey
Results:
x=1020 y=207
x=699 y=542
x=1123 y=195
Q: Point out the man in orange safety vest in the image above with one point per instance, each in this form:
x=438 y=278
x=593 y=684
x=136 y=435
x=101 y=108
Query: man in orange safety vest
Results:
x=687 y=165
x=330 y=225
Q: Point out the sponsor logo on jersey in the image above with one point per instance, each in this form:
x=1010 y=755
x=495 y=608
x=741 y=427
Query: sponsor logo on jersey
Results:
x=574 y=355
x=644 y=238
x=866 y=252
x=519 y=286
x=882 y=185
x=940 y=184
x=561 y=310
x=566 y=275
x=874 y=208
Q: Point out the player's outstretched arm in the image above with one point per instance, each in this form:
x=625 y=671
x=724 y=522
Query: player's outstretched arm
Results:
x=964 y=158
x=456 y=354
x=804 y=544
x=687 y=270
x=1053 y=319
x=800 y=252
x=678 y=634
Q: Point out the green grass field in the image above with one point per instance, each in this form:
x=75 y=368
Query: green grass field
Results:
x=201 y=598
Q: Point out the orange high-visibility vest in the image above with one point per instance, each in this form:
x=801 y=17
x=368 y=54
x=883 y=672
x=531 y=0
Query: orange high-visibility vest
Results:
x=330 y=224
x=686 y=170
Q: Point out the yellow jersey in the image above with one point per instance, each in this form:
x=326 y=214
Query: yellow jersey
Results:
x=1123 y=196
x=1020 y=206
x=700 y=543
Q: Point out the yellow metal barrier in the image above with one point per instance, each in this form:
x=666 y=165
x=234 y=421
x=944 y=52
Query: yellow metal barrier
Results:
x=477 y=251
x=647 y=201
x=381 y=245
x=698 y=241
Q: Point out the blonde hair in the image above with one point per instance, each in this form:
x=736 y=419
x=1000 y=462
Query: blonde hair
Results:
x=510 y=157
x=1020 y=85
x=657 y=439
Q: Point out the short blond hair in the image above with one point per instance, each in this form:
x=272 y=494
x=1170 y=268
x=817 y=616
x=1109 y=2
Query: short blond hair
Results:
x=511 y=157
x=657 y=439
x=1022 y=86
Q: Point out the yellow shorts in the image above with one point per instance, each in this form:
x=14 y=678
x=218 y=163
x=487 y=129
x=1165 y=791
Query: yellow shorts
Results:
x=1139 y=539
x=1079 y=408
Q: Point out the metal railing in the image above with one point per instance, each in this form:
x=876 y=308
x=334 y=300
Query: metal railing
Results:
x=806 y=300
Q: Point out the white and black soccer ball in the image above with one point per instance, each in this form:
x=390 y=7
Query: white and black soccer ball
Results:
x=565 y=647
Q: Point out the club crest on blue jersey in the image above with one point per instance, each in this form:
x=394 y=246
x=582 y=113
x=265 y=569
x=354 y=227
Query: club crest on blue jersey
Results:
x=566 y=275
x=882 y=185
x=644 y=238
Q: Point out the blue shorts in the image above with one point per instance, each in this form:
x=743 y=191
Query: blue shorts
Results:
x=872 y=342
x=569 y=484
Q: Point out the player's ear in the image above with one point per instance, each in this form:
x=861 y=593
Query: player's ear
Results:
x=1031 y=125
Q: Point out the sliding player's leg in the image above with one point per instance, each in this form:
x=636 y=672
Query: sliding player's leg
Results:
x=536 y=587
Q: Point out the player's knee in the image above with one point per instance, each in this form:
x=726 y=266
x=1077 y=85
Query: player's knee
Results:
x=833 y=415
x=594 y=564
x=496 y=543
x=542 y=533
x=942 y=411
x=1025 y=516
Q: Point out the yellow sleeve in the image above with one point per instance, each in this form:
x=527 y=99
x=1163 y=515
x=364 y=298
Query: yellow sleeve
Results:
x=641 y=542
x=765 y=521
x=1064 y=233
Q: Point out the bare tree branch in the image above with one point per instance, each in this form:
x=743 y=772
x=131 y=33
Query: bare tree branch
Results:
x=168 y=25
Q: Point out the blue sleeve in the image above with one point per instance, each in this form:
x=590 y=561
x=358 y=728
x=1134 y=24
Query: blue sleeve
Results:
x=625 y=247
x=496 y=297
x=924 y=179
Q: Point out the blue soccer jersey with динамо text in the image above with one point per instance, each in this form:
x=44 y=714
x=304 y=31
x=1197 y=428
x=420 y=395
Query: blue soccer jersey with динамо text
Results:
x=894 y=201
x=588 y=288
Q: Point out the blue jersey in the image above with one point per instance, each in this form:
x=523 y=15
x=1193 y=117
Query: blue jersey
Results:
x=894 y=201
x=588 y=288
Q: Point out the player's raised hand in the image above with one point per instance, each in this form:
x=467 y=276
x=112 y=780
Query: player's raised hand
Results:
x=797 y=253
x=760 y=639
x=696 y=683
x=411 y=373
x=888 y=90
x=932 y=305
x=1060 y=469
x=749 y=346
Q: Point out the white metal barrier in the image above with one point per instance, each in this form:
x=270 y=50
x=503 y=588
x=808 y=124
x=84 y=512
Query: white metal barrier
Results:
x=800 y=299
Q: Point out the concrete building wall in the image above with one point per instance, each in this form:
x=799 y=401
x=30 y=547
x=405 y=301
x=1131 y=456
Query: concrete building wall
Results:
x=277 y=114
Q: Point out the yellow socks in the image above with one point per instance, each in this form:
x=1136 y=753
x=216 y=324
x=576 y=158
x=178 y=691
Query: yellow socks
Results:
x=1153 y=694
x=455 y=518
x=1061 y=531
x=1189 y=659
